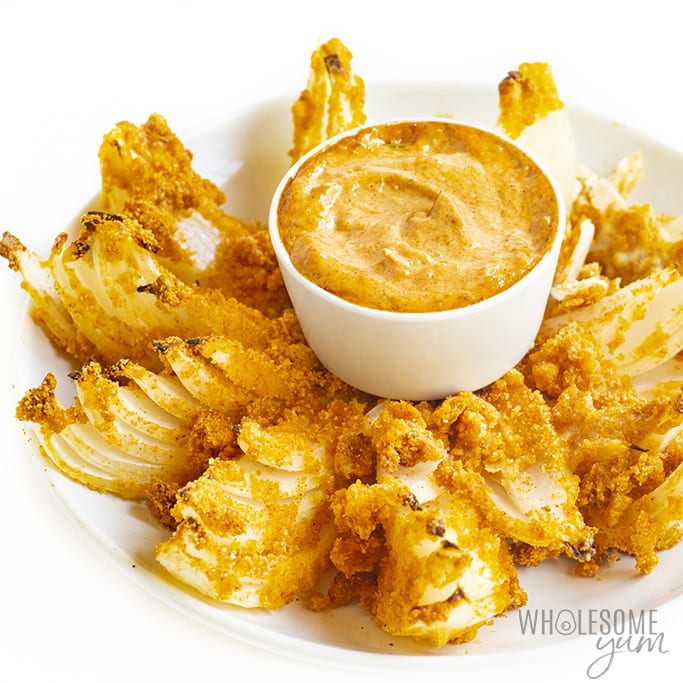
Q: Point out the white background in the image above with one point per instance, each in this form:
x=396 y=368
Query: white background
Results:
x=70 y=70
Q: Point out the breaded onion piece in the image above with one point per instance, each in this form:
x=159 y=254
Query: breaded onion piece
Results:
x=105 y=295
x=256 y=531
x=442 y=572
x=639 y=326
x=532 y=113
x=115 y=439
x=147 y=175
x=332 y=102
x=631 y=241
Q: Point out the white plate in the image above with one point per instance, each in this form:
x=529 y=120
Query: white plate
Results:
x=245 y=153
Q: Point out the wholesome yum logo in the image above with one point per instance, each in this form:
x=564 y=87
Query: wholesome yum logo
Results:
x=616 y=630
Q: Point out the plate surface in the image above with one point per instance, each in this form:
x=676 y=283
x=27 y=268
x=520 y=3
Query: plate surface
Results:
x=245 y=153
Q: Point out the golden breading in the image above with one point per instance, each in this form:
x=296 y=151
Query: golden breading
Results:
x=246 y=268
x=526 y=95
x=652 y=522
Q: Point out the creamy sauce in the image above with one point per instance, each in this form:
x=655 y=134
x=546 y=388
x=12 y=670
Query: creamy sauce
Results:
x=417 y=216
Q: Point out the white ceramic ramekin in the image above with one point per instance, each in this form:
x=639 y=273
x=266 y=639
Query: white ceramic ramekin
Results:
x=420 y=356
